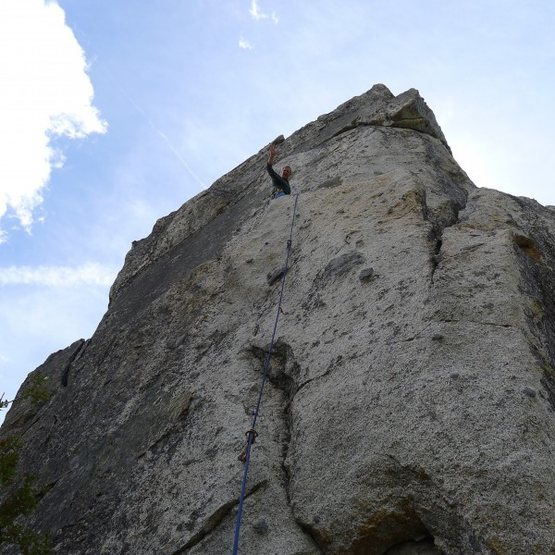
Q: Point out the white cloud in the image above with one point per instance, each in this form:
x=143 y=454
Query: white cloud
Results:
x=255 y=11
x=245 y=44
x=257 y=14
x=58 y=276
x=46 y=93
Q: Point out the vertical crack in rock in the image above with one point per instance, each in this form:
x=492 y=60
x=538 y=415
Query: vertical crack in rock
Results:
x=283 y=375
x=440 y=219
x=453 y=189
x=437 y=243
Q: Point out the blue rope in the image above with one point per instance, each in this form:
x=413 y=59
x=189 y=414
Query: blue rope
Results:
x=251 y=434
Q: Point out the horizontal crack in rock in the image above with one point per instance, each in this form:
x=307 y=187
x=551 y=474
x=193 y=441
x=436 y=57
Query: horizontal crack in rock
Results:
x=480 y=323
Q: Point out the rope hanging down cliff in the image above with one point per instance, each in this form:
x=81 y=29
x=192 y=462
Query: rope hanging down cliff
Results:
x=251 y=433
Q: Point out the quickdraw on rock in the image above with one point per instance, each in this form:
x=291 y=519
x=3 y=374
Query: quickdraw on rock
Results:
x=252 y=434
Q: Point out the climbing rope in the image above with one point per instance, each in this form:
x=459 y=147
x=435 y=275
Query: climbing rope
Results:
x=251 y=434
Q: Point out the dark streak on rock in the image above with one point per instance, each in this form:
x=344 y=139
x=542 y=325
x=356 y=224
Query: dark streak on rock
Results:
x=275 y=276
x=331 y=183
x=77 y=353
x=548 y=382
x=341 y=265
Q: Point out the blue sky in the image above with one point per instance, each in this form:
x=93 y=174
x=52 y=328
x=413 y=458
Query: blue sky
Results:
x=115 y=113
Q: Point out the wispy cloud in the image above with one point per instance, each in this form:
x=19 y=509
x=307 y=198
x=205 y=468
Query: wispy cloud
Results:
x=46 y=94
x=245 y=44
x=257 y=14
x=58 y=276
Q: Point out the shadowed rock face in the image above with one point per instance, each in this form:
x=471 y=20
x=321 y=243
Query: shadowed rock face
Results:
x=411 y=401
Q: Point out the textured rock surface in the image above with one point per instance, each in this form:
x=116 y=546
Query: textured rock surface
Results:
x=411 y=405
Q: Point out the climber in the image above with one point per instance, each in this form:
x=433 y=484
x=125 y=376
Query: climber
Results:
x=281 y=183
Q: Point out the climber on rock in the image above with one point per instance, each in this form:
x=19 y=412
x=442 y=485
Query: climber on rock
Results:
x=281 y=183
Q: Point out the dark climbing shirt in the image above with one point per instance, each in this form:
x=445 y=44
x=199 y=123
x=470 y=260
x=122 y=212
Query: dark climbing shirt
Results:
x=278 y=181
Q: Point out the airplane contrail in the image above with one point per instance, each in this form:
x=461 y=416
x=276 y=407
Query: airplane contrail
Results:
x=162 y=135
x=165 y=138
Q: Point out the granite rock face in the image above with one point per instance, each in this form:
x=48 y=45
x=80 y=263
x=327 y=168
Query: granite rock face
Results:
x=411 y=401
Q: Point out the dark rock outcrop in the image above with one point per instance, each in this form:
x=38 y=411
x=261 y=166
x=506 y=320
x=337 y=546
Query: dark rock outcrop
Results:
x=411 y=403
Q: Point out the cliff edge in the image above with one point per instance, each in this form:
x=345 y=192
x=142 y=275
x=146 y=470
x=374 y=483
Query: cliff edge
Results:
x=411 y=403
